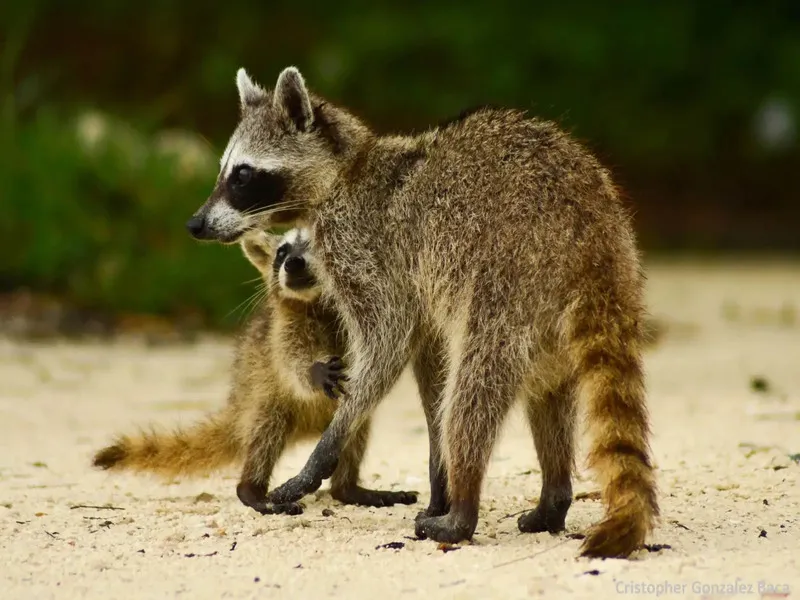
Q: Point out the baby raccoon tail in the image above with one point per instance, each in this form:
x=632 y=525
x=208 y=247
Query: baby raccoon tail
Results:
x=206 y=446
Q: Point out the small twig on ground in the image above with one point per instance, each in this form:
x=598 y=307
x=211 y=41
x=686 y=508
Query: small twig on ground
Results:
x=534 y=555
x=516 y=514
x=680 y=525
x=109 y=507
x=53 y=535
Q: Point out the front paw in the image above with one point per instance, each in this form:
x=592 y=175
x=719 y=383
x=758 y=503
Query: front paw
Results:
x=289 y=508
x=376 y=498
x=293 y=490
x=329 y=377
x=254 y=495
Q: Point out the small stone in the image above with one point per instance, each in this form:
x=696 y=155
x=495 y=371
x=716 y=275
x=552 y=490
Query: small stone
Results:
x=760 y=385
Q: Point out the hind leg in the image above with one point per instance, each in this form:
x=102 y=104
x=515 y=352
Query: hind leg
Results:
x=430 y=373
x=552 y=421
x=477 y=401
x=268 y=439
x=344 y=482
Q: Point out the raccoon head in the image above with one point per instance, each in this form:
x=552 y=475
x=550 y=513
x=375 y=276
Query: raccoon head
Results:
x=282 y=158
x=284 y=263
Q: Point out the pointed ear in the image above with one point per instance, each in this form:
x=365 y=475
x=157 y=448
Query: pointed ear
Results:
x=250 y=93
x=291 y=98
x=259 y=248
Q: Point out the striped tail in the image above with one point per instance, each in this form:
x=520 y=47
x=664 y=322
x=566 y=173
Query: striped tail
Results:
x=607 y=355
x=205 y=447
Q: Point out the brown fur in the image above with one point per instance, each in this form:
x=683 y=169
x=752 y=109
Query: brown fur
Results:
x=272 y=404
x=493 y=253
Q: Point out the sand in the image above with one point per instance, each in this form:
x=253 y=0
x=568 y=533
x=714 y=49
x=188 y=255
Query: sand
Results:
x=729 y=489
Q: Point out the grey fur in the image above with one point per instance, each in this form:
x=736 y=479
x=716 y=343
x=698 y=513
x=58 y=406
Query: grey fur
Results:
x=495 y=255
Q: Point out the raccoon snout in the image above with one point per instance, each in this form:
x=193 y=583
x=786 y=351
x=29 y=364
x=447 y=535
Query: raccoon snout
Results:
x=294 y=265
x=197 y=227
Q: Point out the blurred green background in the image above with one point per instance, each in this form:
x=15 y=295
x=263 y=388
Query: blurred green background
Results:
x=113 y=115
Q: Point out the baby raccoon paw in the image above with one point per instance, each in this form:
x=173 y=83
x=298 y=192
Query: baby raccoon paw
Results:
x=329 y=376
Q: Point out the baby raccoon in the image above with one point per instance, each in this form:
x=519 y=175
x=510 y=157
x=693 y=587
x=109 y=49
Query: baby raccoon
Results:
x=287 y=376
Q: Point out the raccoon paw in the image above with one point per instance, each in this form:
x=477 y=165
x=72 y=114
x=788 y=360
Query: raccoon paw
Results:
x=251 y=494
x=539 y=520
x=550 y=515
x=329 y=377
x=288 y=508
x=377 y=498
x=432 y=511
x=293 y=490
x=447 y=529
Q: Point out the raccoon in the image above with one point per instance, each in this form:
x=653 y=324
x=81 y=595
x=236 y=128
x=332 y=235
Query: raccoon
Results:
x=491 y=252
x=287 y=378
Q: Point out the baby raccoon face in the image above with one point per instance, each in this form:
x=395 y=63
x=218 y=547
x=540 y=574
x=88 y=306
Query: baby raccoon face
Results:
x=283 y=262
x=291 y=267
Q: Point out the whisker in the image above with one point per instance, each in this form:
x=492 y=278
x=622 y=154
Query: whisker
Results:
x=205 y=140
x=238 y=306
x=273 y=209
x=248 y=310
x=255 y=301
x=250 y=304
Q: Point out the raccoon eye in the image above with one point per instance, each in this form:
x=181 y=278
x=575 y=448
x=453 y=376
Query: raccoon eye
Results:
x=282 y=252
x=243 y=175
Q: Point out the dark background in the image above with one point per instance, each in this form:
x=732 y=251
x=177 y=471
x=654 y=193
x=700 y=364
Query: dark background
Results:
x=114 y=115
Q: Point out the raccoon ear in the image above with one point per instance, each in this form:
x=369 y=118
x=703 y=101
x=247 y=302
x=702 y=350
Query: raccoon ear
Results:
x=259 y=249
x=250 y=93
x=292 y=99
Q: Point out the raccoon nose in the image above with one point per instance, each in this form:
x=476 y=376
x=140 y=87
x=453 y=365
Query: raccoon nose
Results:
x=195 y=226
x=294 y=265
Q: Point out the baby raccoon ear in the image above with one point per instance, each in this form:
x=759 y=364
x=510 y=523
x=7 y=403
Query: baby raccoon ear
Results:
x=291 y=99
x=259 y=249
x=250 y=93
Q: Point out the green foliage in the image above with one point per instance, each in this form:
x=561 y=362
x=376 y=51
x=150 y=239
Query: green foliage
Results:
x=649 y=83
x=667 y=94
x=103 y=224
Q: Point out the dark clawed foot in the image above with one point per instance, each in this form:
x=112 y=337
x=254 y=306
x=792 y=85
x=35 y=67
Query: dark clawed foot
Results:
x=254 y=495
x=292 y=490
x=364 y=497
x=251 y=494
x=536 y=521
x=329 y=376
x=289 y=508
x=433 y=510
x=444 y=529
x=550 y=516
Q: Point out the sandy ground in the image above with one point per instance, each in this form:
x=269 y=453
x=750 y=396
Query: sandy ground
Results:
x=729 y=490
